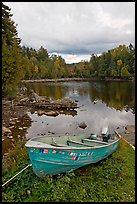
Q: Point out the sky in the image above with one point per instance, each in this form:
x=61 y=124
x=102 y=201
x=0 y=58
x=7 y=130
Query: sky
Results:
x=74 y=30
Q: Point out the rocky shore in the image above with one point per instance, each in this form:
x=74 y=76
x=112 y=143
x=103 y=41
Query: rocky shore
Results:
x=11 y=112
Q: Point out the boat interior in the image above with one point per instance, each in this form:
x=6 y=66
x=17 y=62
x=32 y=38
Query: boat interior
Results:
x=75 y=140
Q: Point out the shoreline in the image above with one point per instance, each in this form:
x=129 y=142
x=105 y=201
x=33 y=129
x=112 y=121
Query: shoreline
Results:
x=15 y=112
x=75 y=79
x=128 y=132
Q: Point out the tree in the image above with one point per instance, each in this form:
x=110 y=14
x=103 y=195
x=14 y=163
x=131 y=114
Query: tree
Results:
x=42 y=54
x=94 y=64
x=9 y=31
x=125 y=73
x=12 y=66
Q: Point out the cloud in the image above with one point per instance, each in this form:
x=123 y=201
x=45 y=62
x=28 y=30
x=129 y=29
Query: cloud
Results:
x=73 y=58
x=74 y=27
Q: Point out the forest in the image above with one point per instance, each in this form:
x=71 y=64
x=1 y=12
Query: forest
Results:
x=23 y=63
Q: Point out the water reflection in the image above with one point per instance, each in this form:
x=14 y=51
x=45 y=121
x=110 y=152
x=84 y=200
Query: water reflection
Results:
x=116 y=94
x=44 y=111
x=100 y=104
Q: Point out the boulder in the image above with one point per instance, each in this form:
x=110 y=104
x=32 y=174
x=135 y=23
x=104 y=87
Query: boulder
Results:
x=33 y=96
x=82 y=125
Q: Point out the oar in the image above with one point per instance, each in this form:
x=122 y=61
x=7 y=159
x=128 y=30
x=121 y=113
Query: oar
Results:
x=124 y=139
x=16 y=174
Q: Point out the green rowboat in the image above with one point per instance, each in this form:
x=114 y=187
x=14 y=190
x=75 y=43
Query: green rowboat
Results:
x=54 y=155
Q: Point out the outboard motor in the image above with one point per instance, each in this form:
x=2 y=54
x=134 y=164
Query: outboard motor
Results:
x=105 y=134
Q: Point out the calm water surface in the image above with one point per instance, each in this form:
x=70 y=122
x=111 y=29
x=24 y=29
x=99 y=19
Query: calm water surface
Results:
x=101 y=103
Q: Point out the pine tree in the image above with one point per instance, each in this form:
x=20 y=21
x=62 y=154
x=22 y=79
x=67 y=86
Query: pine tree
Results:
x=12 y=66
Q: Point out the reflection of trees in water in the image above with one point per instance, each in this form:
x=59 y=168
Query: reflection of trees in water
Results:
x=59 y=90
x=116 y=94
x=53 y=91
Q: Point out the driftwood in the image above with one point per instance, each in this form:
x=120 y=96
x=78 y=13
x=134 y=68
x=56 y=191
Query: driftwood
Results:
x=34 y=100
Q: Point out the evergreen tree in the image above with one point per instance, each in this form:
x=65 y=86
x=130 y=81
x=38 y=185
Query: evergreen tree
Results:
x=12 y=66
x=42 y=54
x=9 y=31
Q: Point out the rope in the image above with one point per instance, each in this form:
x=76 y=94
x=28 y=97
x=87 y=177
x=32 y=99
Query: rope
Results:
x=16 y=174
x=125 y=140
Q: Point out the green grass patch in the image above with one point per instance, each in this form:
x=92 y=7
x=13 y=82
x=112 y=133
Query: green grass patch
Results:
x=111 y=180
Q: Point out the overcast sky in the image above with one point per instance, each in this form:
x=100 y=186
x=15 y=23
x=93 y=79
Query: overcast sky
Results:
x=75 y=30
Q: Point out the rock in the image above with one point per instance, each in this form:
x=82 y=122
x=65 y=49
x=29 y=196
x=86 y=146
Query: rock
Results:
x=5 y=130
x=15 y=118
x=11 y=127
x=10 y=137
x=24 y=127
x=82 y=125
x=12 y=123
x=52 y=113
x=40 y=112
x=20 y=128
x=33 y=96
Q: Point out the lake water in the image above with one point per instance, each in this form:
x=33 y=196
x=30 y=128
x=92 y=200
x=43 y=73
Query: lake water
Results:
x=101 y=103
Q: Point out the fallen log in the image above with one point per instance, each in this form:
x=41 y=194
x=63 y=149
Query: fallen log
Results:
x=50 y=106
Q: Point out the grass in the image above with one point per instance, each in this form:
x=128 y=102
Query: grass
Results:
x=111 y=180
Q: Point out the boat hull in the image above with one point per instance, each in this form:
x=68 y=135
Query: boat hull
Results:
x=52 y=161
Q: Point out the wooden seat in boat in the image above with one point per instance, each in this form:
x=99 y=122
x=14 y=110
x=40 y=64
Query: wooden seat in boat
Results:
x=94 y=141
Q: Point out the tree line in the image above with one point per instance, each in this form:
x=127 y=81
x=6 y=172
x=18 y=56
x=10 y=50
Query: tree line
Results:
x=21 y=62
